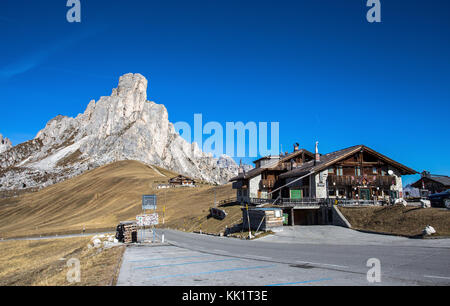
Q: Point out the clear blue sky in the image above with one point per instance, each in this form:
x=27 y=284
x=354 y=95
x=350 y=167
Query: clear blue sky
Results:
x=317 y=67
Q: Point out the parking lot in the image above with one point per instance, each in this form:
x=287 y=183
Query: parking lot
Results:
x=168 y=265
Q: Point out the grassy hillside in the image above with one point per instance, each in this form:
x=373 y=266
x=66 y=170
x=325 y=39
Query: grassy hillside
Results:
x=409 y=221
x=43 y=263
x=100 y=198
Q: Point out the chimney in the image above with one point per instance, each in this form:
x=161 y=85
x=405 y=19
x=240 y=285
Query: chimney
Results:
x=241 y=168
x=426 y=174
x=296 y=147
x=317 y=160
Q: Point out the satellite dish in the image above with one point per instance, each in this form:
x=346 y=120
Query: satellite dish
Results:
x=390 y=172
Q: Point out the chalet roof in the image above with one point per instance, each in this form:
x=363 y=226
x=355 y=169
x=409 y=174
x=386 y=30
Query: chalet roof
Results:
x=295 y=154
x=333 y=157
x=270 y=165
x=441 y=179
x=267 y=157
x=181 y=177
x=255 y=171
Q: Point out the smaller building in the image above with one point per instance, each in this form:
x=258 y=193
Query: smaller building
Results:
x=263 y=219
x=181 y=181
x=432 y=183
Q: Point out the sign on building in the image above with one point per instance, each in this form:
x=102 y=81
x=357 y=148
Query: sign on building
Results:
x=149 y=202
x=147 y=220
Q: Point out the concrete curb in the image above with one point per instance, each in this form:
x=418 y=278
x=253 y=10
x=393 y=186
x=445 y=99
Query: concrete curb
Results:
x=420 y=236
x=341 y=220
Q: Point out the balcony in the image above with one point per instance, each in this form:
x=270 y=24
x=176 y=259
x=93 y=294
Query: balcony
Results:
x=368 y=180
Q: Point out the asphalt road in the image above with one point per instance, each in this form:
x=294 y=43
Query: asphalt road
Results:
x=285 y=261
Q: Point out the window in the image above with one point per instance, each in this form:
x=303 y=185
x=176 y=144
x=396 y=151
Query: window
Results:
x=383 y=173
x=339 y=171
x=330 y=170
x=341 y=192
x=239 y=193
x=374 y=170
x=277 y=213
x=357 y=171
x=332 y=192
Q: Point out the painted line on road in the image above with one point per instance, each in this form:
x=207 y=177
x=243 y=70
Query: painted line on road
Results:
x=167 y=258
x=320 y=264
x=433 y=276
x=213 y=271
x=186 y=263
x=302 y=282
x=259 y=257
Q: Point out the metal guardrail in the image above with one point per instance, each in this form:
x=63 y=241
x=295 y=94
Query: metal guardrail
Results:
x=313 y=202
x=304 y=202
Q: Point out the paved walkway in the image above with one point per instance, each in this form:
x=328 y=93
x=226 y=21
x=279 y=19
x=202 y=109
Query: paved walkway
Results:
x=336 y=235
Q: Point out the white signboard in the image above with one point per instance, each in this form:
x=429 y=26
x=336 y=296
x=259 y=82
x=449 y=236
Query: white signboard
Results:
x=147 y=220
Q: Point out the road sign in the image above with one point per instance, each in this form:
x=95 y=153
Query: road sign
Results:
x=147 y=220
x=149 y=202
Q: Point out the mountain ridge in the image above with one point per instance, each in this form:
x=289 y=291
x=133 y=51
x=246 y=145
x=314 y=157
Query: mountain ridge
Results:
x=122 y=126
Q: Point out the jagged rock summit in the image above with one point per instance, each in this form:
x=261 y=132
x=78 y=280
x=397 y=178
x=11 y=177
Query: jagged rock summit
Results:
x=123 y=126
x=5 y=144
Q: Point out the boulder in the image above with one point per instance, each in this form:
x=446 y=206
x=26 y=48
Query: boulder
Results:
x=429 y=230
x=425 y=203
x=401 y=202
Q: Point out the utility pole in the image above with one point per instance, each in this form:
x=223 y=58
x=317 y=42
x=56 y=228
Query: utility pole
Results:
x=248 y=220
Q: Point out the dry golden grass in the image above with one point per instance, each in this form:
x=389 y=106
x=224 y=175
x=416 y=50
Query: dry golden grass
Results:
x=43 y=262
x=100 y=198
x=197 y=222
x=399 y=220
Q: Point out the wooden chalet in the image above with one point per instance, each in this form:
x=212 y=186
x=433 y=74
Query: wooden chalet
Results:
x=181 y=180
x=432 y=183
x=258 y=183
x=355 y=173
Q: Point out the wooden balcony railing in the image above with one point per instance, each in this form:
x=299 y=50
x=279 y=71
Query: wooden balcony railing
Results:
x=367 y=180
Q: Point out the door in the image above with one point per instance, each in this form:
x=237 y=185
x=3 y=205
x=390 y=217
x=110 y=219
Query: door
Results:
x=296 y=194
x=364 y=194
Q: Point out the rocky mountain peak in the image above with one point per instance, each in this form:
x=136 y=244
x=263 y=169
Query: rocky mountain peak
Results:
x=122 y=126
x=5 y=144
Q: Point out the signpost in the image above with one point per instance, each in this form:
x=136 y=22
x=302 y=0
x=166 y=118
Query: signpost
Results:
x=149 y=202
x=147 y=219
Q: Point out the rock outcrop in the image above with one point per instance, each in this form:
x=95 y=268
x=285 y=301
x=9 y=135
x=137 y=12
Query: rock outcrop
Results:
x=122 y=126
x=5 y=144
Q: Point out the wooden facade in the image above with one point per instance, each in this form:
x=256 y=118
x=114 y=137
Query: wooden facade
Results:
x=181 y=180
x=432 y=183
x=262 y=180
x=354 y=173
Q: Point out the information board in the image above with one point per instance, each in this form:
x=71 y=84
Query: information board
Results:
x=147 y=220
x=149 y=202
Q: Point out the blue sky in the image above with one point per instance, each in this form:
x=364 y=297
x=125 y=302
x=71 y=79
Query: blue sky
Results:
x=317 y=67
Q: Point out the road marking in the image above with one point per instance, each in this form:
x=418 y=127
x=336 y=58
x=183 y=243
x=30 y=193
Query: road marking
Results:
x=320 y=264
x=433 y=276
x=213 y=271
x=258 y=257
x=303 y=282
x=186 y=263
x=167 y=258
